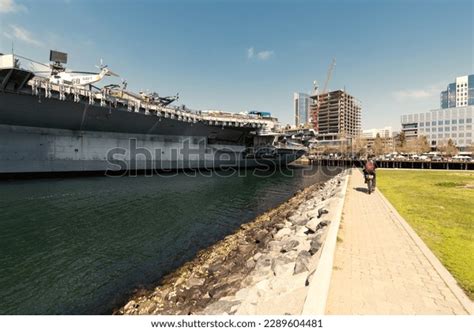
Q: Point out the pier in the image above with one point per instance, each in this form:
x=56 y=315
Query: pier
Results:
x=401 y=164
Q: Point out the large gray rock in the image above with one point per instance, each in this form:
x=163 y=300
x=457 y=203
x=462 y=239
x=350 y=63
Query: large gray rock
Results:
x=289 y=283
x=312 y=213
x=298 y=219
x=283 y=270
x=261 y=236
x=196 y=293
x=274 y=245
x=257 y=256
x=315 y=245
x=302 y=262
x=283 y=232
x=301 y=231
x=246 y=308
x=289 y=303
x=305 y=244
x=220 y=290
x=263 y=261
x=195 y=281
x=245 y=249
x=250 y=263
x=243 y=293
x=324 y=223
x=289 y=245
x=312 y=225
x=322 y=211
x=257 y=275
x=282 y=266
x=220 y=307
x=263 y=286
x=279 y=226
x=291 y=255
x=247 y=296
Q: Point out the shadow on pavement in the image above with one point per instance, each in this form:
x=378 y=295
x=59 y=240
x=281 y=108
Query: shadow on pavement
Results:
x=361 y=189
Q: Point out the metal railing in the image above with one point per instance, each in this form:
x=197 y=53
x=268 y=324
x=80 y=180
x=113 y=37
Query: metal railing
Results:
x=104 y=98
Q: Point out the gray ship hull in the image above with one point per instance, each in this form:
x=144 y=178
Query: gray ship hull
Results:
x=31 y=150
x=46 y=135
x=37 y=111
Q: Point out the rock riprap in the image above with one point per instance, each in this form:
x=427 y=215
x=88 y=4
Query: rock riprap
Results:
x=265 y=267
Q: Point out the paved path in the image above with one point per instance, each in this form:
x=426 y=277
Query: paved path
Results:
x=379 y=268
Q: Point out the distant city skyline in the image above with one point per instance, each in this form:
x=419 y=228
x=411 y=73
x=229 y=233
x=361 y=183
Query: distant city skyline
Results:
x=242 y=55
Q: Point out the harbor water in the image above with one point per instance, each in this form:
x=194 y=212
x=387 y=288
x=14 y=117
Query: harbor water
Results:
x=81 y=245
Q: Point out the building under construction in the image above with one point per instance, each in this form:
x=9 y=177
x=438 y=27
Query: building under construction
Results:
x=336 y=115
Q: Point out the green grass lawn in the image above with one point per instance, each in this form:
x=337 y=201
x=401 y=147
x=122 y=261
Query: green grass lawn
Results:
x=439 y=205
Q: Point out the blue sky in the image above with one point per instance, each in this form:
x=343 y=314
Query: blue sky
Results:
x=394 y=56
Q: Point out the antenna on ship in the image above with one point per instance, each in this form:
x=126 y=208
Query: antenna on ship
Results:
x=58 y=59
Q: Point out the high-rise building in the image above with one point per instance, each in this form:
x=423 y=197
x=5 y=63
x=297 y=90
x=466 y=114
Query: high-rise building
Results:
x=440 y=125
x=458 y=94
x=301 y=104
x=337 y=117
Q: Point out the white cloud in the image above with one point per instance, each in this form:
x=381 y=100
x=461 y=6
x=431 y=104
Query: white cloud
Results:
x=418 y=94
x=10 y=6
x=261 y=55
x=22 y=34
x=265 y=55
x=250 y=53
x=412 y=94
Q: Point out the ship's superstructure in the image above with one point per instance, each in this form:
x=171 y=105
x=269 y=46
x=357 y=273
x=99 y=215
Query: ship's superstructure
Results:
x=57 y=121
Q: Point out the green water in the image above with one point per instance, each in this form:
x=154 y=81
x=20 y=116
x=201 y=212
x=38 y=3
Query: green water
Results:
x=80 y=245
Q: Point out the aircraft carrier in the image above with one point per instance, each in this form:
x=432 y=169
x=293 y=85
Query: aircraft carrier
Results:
x=57 y=121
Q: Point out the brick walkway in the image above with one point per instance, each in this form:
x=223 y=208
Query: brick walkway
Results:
x=378 y=267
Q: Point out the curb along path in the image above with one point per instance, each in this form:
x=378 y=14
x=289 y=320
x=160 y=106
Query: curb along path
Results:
x=382 y=267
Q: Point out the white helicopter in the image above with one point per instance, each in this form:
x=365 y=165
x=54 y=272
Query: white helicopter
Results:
x=81 y=78
x=57 y=74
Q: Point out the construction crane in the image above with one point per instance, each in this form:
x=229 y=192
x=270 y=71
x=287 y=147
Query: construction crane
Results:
x=325 y=88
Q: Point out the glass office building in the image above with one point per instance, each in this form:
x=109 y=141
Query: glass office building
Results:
x=470 y=92
x=301 y=103
x=458 y=94
x=440 y=125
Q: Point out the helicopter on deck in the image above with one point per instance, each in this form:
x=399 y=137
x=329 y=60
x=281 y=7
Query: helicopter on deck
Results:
x=57 y=73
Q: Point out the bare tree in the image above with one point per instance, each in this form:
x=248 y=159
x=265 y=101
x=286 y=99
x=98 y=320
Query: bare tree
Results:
x=378 y=145
x=471 y=148
x=359 y=146
x=411 y=146
x=401 y=142
x=346 y=149
x=448 y=148
x=387 y=146
x=422 y=145
x=328 y=149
